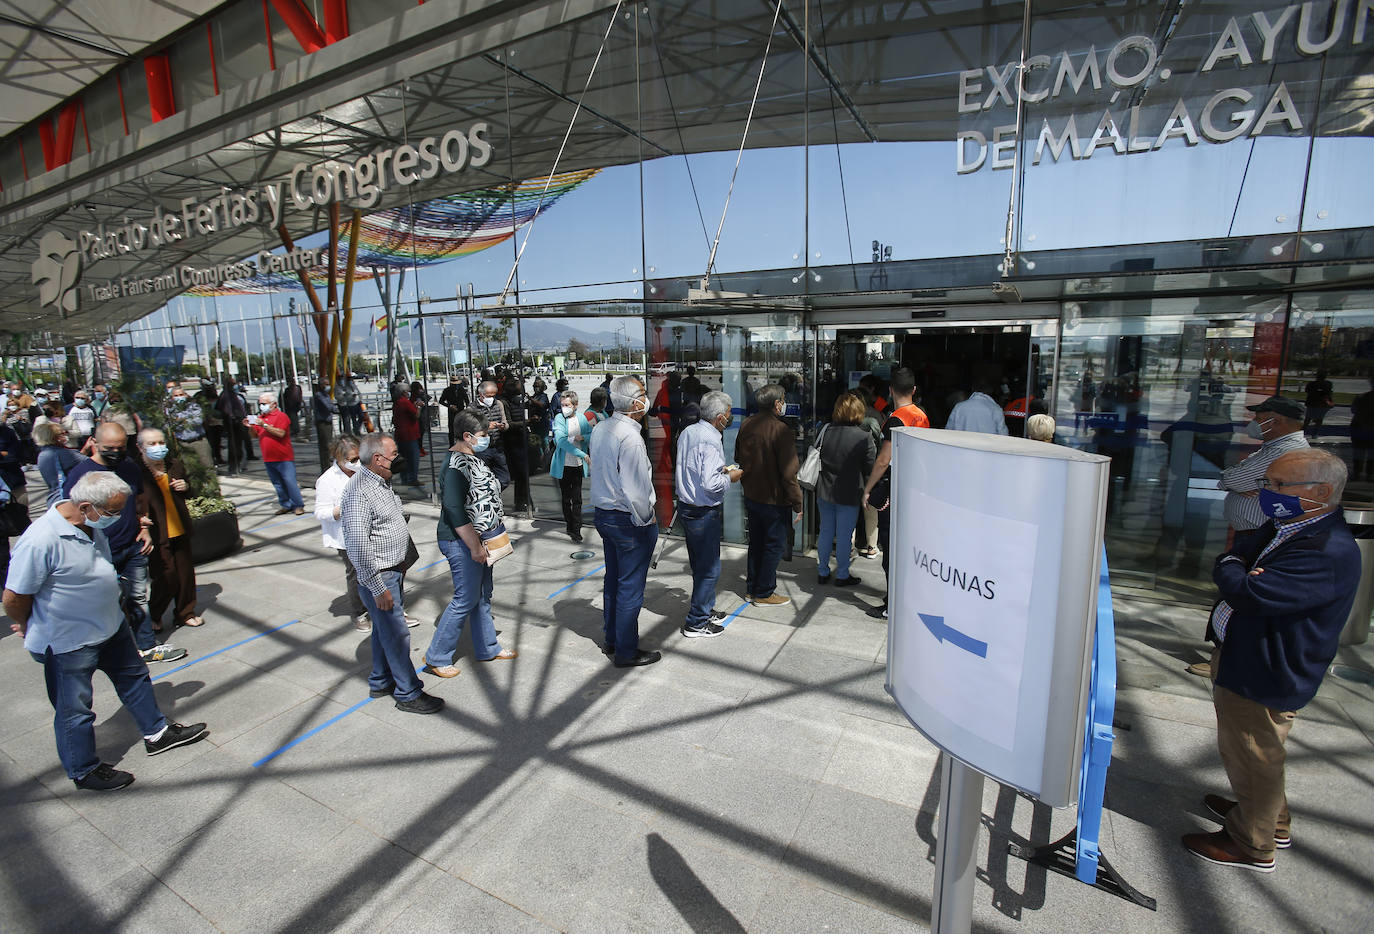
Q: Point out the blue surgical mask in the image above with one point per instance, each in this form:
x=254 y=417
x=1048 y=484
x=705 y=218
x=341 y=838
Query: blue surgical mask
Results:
x=102 y=522
x=156 y=452
x=480 y=444
x=1280 y=505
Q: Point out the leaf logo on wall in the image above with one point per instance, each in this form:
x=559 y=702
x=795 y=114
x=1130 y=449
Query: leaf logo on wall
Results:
x=55 y=272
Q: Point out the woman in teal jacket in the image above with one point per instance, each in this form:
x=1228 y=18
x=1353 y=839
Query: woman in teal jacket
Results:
x=570 y=460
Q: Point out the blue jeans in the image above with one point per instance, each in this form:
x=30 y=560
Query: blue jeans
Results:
x=837 y=529
x=132 y=569
x=628 y=549
x=411 y=450
x=769 y=527
x=702 y=527
x=391 y=668
x=471 y=601
x=68 y=678
x=283 y=477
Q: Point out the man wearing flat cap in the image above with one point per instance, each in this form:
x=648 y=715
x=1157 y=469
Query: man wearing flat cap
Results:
x=1277 y=423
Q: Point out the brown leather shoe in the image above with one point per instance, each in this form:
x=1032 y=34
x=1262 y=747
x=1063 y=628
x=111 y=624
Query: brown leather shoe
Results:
x=1201 y=669
x=504 y=655
x=443 y=671
x=1222 y=806
x=1219 y=848
x=776 y=599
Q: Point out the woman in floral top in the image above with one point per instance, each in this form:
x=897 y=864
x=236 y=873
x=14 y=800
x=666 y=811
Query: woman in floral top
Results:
x=470 y=498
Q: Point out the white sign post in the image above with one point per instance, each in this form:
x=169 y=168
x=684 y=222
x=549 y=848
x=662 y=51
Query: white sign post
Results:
x=995 y=552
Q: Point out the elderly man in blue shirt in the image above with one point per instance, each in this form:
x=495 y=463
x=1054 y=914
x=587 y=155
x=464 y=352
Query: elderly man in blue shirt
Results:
x=702 y=477
x=62 y=594
x=623 y=495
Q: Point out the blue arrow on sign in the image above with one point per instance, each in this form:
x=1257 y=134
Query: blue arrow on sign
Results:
x=944 y=633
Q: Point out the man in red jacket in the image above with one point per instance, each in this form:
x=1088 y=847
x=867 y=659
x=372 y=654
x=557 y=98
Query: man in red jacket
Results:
x=273 y=428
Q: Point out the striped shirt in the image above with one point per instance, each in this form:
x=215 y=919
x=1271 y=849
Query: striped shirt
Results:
x=1243 y=512
x=1221 y=615
x=374 y=528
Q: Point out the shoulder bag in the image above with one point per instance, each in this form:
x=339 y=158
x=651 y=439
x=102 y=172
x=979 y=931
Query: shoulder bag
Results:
x=810 y=473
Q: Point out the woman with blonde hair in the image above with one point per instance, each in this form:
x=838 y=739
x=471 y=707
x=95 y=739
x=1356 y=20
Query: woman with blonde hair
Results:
x=847 y=455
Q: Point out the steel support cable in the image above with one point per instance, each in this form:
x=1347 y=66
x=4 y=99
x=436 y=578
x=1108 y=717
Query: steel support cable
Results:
x=839 y=161
x=515 y=267
x=681 y=140
x=763 y=65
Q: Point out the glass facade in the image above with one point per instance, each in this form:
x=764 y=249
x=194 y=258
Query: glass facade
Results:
x=1153 y=224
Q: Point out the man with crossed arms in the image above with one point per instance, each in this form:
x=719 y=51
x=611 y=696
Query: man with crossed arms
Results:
x=1285 y=595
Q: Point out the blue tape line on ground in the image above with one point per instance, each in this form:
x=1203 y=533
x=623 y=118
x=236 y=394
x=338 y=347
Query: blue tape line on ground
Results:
x=304 y=736
x=574 y=583
x=225 y=649
x=431 y=564
x=309 y=733
x=738 y=611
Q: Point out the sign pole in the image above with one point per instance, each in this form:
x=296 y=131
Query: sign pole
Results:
x=961 y=807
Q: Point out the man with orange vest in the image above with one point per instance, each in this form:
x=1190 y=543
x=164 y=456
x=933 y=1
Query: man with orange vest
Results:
x=877 y=491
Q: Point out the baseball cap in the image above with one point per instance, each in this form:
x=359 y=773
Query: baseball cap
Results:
x=1279 y=405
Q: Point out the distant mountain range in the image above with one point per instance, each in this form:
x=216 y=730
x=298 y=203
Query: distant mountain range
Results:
x=543 y=334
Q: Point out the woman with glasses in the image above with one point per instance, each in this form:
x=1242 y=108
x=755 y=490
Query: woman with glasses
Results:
x=470 y=510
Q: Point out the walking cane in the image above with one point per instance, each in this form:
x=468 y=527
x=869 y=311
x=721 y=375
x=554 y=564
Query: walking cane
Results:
x=663 y=539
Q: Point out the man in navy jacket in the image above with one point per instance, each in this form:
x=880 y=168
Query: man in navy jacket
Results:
x=1285 y=596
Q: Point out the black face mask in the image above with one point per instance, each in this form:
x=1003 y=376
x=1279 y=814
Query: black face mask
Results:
x=112 y=456
x=398 y=464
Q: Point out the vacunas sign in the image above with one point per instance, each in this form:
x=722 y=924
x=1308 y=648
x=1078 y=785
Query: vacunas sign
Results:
x=57 y=270
x=1133 y=64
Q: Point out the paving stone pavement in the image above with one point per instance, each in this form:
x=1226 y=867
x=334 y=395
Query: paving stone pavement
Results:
x=760 y=781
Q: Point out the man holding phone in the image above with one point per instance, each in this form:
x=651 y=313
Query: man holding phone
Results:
x=273 y=428
x=767 y=451
x=493 y=411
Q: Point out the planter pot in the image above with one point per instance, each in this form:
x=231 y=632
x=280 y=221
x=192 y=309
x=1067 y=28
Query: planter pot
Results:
x=214 y=536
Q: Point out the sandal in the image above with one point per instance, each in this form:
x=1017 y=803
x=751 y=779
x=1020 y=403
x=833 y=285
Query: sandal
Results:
x=194 y=621
x=504 y=655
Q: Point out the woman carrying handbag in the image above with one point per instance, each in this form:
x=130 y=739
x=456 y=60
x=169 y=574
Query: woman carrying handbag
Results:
x=847 y=453
x=470 y=524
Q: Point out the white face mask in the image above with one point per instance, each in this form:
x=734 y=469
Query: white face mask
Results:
x=568 y=411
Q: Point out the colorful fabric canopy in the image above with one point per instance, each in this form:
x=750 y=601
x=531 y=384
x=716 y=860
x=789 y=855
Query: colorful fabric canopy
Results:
x=426 y=233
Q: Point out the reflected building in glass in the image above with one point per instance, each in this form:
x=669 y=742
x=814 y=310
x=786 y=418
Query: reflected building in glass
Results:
x=1137 y=217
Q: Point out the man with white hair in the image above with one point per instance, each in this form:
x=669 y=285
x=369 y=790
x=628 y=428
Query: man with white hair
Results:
x=62 y=595
x=273 y=428
x=381 y=551
x=1285 y=595
x=623 y=495
x=702 y=477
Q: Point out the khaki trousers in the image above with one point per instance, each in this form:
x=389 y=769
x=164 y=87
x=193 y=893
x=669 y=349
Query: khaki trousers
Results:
x=1250 y=738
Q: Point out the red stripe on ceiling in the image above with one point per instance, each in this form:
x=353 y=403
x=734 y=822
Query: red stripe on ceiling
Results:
x=335 y=20
x=123 y=113
x=157 y=68
x=45 y=139
x=267 y=24
x=210 y=43
x=301 y=24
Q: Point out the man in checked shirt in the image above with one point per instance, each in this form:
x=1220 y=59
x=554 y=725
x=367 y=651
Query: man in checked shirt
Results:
x=379 y=545
x=1277 y=424
x=1284 y=598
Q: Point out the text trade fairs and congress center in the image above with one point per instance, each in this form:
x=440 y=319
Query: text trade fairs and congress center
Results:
x=1142 y=215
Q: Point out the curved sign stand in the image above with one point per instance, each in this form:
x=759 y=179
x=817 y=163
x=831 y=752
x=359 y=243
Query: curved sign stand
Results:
x=993 y=589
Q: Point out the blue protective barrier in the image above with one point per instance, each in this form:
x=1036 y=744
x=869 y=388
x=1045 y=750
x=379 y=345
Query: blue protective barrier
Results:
x=1097 y=744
